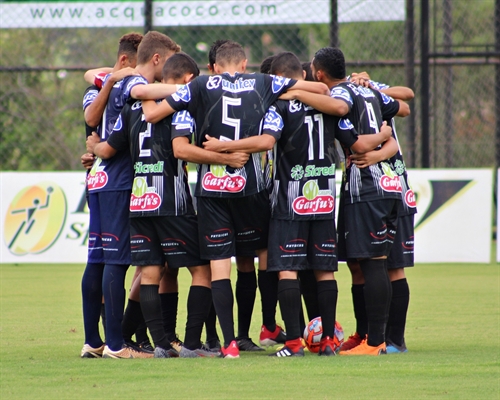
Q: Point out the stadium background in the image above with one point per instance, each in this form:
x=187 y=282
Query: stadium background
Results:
x=456 y=92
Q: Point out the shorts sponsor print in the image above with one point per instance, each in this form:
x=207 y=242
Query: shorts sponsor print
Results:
x=402 y=252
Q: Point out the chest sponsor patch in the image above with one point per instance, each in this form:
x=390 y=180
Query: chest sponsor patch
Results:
x=218 y=180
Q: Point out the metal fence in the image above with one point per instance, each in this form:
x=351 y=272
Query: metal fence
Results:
x=41 y=68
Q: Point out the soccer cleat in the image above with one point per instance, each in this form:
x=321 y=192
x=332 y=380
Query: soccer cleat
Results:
x=201 y=352
x=146 y=346
x=160 y=352
x=353 y=341
x=246 y=344
x=327 y=347
x=288 y=352
x=213 y=345
x=393 y=348
x=125 y=352
x=230 y=351
x=177 y=344
x=268 y=338
x=364 y=349
x=90 y=352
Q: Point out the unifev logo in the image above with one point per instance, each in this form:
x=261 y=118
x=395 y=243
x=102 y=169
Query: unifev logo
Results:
x=218 y=180
x=313 y=201
x=35 y=219
x=143 y=198
x=97 y=177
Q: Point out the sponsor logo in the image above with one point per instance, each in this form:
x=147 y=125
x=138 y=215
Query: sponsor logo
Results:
x=118 y=124
x=294 y=246
x=410 y=198
x=345 y=124
x=35 y=219
x=390 y=184
x=313 y=201
x=219 y=235
x=182 y=120
x=312 y=171
x=279 y=82
x=408 y=244
x=141 y=168
x=182 y=94
x=386 y=99
x=172 y=244
x=294 y=106
x=326 y=247
x=217 y=180
x=97 y=177
x=341 y=93
x=273 y=121
x=137 y=105
x=144 y=198
x=138 y=80
x=380 y=234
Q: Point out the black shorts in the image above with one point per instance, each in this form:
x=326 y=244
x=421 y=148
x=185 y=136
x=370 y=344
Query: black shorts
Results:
x=109 y=227
x=171 y=239
x=233 y=226
x=302 y=245
x=402 y=255
x=367 y=229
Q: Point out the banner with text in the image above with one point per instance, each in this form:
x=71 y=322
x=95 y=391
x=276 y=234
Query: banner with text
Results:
x=94 y=14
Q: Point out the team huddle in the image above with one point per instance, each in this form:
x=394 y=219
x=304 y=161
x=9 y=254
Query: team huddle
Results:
x=267 y=146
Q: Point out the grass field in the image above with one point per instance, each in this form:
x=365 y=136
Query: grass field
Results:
x=452 y=335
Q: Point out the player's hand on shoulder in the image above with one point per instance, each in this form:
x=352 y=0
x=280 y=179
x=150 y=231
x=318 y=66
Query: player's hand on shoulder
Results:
x=386 y=130
x=92 y=141
x=87 y=160
x=361 y=78
x=122 y=73
x=237 y=160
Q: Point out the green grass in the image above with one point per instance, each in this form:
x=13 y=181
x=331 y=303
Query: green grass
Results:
x=452 y=335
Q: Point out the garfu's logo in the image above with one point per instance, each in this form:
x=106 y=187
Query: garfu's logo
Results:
x=143 y=198
x=410 y=198
x=313 y=201
x=97 y=177
x=390 y=182
x=35 y=219
x=218 y=180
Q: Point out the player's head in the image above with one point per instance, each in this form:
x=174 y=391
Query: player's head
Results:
x=288 y=65
x=328 y=64
x=265 y=66
x=154 y=50
x=212 y=52
x=307 y=68
x=230 y=56
x=179 y=69
x=127 y=49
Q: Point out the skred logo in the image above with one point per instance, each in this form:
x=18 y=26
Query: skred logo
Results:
x=410 y=199
x=391 y=184
x=150 y=201
x=226 y=183
x=322 y=204
x=97 y=181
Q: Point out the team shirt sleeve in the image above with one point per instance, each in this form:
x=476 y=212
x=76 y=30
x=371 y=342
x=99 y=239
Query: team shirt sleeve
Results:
x=388 y=105
x=346 y=134
x=273 y=123
x=119 y=138
x=89 y=96
x=130 y=82
x=183 y=98
x=182 y=125
x=341 y=93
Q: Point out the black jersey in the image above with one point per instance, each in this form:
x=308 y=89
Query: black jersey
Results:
x=304 y=160
x=229 y=108
x=115 y=173
x=160 y=184
x=88 y=98
x=367 y=110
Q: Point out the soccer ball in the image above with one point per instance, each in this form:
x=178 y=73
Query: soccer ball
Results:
x=314 y=331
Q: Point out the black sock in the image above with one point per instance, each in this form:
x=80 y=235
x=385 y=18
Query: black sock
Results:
x=358 y=302
x=132 y=318
x=397 y=313
x=198 y=306
x=222 y=295
x=113 y=289
x=289 y=299
x=327 y=301
x=151 y=309
x=103 y=318
x=378 y=294
x=141 y=333
x=169 y=306
x=309 y=289
x=210 y=325
x=268 y=288
x=92 y=303
x=246 y=289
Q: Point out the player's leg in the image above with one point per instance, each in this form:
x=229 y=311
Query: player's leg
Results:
x=212 y=338
x=169 y=296
x=133 y=320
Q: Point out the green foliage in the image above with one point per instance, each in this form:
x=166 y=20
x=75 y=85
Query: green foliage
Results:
x=452 y=336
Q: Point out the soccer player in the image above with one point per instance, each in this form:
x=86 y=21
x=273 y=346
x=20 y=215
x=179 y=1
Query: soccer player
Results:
x=109 y=183
x=370 y=196
x=302 y=233
x=94 y=102
x=229 y=106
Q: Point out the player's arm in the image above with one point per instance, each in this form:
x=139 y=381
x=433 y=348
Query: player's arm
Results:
x=320 y=102
x=399 y=92
x=87 y=160
x=404 y=109
x=155 y=112
x=152 y=91
x=100 y=149
x=311 y=87
x=191 y=153
x=388 y=149
x=252 y=144
x=90 y=75
x=94 y=112
x=367 y=143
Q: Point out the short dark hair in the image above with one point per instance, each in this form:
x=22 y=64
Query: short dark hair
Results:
x=213 y=51
x=230 y=53
x=287 y=64
x=155 y=42
x=128 y=45
x=331 y=61
x=309 y=74
x=178 y=65
x=265 y=66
